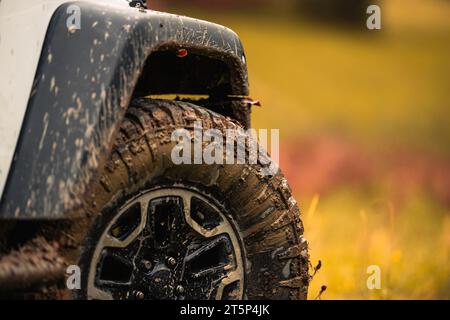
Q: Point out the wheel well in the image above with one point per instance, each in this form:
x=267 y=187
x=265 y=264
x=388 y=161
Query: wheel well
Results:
x=195 y=74
x=165 y=72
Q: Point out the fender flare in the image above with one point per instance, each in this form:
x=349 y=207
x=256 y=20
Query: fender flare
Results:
x=82 y=88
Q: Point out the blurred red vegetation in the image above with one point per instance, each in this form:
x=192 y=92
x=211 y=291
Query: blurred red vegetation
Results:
x=323 y=164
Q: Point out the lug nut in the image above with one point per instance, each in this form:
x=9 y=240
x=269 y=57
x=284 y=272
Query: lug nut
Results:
x=139 y=295
x=171 y=262
x=147 y=264
x=180 y=289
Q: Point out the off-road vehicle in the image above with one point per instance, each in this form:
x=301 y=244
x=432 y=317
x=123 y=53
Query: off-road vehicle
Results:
x=90 y=93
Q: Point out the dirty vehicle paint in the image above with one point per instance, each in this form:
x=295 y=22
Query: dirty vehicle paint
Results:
x=82 y=88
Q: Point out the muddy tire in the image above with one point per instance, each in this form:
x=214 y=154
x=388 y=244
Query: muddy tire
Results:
x=262 y=247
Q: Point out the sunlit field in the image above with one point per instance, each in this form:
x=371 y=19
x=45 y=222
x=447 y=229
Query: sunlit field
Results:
x=364 y=119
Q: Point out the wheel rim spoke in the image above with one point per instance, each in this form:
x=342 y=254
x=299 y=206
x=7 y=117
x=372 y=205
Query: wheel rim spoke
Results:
x=205 y=246
x=229 y=279
x=111 y=241
x=99 y=294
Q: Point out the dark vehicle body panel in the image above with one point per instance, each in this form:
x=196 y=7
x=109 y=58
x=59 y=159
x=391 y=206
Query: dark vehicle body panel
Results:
x=82 y=88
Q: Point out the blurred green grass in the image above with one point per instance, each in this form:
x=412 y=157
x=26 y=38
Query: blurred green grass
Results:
x=383 y=86
x=381 y=90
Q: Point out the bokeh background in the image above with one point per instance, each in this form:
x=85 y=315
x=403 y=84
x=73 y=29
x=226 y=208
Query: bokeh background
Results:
x=364 y=119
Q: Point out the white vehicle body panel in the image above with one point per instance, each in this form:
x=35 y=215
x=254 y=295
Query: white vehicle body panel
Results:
x=23 y=26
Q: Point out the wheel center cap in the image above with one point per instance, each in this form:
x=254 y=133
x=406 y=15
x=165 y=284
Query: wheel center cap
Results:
x=161 y=282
